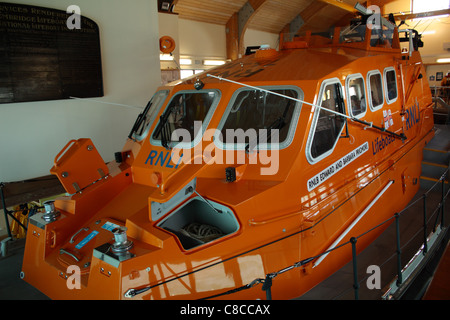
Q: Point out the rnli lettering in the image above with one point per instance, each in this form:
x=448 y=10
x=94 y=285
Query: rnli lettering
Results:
x=162 y=159
x=383 y=141
x=321 y=177
x=412 y=116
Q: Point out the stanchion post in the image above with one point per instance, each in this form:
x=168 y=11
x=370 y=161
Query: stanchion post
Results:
x=425 y=242
x=5 y=210
x=353 y=241
x=399 y=251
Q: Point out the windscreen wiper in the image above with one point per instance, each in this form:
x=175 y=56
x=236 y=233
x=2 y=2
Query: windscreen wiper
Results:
x=278 y=124
x=140 y=119
x=163 y=129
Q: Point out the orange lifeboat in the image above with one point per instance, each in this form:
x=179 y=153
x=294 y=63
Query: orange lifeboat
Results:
x=270 y=161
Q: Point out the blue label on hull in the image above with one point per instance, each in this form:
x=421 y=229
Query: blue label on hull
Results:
x=86 y=240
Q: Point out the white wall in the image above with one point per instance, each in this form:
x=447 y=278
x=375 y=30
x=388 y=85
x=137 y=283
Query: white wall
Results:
x=33 y=133
x=258 y=38
x=168 y=26
x=202 y=39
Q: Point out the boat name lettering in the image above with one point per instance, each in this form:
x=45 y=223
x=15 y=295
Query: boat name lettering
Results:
x=327 y=173
x=163 y=159
x=381 y=142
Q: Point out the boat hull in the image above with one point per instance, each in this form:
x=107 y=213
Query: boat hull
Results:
x=201 y=274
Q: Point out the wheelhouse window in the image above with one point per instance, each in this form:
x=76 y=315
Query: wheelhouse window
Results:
x=251 y=110
x=147 y=117
x=375 y=90
x=185 y=110
x=327 y=126
x=356 y=95
x=390 y=80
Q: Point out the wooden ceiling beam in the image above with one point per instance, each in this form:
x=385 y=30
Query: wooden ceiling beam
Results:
x=340 y=4
x=305 y=16
x=237 y=26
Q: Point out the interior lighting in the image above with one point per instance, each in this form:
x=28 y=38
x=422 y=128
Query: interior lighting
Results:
x=185 y=61
x=165 y=57
x=213 y=62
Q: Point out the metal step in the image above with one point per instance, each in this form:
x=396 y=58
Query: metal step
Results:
x=436 y=156
x=427 y=183
x=433 y=170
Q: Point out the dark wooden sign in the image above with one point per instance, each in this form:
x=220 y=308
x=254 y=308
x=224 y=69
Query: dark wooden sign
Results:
x=46 y=55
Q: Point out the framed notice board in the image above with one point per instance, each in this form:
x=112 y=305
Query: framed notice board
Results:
x=41 y=58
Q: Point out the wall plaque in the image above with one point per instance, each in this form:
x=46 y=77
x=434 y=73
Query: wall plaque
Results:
x=41 y=58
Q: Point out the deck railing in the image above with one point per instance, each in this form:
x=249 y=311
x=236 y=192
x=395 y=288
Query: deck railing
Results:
x=441 y=108
x=268 y=281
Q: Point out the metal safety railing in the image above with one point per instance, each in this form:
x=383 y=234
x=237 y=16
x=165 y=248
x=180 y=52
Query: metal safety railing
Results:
x=8 y=213
x=441 y=107
x=442 y=92
x=267 y=282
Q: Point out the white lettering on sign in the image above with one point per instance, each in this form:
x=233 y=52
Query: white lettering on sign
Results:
x=327 y=173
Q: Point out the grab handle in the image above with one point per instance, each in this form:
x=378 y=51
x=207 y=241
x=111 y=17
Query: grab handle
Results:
x=52 y=239
x=64 y=251
x=72 y=240
x=63 y=151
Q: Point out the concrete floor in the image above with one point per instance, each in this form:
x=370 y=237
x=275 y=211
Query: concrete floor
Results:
x=11 y=286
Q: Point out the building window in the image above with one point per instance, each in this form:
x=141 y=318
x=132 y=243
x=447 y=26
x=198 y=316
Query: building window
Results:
x=419 y=6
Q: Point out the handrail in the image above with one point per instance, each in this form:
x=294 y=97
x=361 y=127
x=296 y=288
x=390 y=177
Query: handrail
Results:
x=362 y=214
x=268 y=281
x=63 y=150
